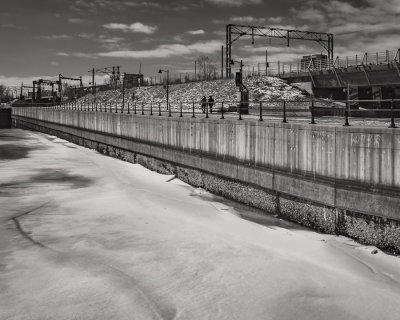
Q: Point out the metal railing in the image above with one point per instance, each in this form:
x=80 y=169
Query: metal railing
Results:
x=334 y=112
x=281 y=68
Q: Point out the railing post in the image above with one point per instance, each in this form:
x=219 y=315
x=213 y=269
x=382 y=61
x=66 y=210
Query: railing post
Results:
x=261 y=112
x=284 y=112
x=392 y=123
x=181 y=115
x=128 y=107
x=151 y=108
x=142 y=108
x=206 y=111
x=193 y=116
x=346 y=114
x=240 y=111
x=222 y=110
x=312 y=112
x=159 y=108
x=135 y=107
x=116 y=105
x=169 y=110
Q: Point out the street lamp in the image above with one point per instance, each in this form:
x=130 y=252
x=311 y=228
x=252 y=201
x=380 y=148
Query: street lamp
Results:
x=244 y=92
x=241 y=64
x=167 y=71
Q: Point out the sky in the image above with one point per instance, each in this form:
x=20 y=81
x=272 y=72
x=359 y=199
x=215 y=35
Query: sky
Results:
x=43 y=38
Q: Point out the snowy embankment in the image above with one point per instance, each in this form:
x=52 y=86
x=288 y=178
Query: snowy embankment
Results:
x=261 y=88
x=99 y=238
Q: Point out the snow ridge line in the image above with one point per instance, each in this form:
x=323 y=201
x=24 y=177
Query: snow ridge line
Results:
x=21 y=229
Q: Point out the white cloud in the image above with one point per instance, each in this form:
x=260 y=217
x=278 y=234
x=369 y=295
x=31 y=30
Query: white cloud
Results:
x=115 y=5
x=55 y=37
x=110 y=43
x=76 y=20
x=168 y=50
x=234 y=3
x=370 y=26
x=221 y=33
x=178 y=38
x=85 y=35
x=339 y=16
x=8 y=25
x=275 y=19
x=196 y=32
x=357 y=27
x=16 y=81
x=77 y=54
x=247 y=20
x=136 y=27
x=27 y=80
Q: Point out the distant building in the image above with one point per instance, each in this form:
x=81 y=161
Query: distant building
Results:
x=320 y=61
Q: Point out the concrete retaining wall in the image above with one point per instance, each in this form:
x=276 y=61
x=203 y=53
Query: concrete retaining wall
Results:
x=336 y=179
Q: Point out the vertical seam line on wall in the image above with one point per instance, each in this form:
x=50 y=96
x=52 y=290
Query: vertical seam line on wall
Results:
x=273 y=158
x=335 y=176
x=393 y=169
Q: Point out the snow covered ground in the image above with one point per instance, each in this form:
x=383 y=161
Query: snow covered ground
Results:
x=262 y=88
x=85 y=236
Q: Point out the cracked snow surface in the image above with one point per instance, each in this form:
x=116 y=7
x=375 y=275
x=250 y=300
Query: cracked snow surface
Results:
x=85 y=236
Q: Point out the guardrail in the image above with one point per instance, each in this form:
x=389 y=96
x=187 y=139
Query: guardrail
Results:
x=281 y=68
x=283 y=110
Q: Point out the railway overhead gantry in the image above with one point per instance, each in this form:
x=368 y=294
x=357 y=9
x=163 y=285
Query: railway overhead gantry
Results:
x=236 y=31
x=113 y=72
x=61 y=78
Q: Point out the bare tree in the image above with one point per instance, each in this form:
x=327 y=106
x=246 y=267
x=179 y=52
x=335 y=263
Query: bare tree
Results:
x=5 y=93
x=207 y=68
x=68 y=91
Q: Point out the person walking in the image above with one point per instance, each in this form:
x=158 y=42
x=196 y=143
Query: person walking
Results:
x=203 y=104
x=211 y=103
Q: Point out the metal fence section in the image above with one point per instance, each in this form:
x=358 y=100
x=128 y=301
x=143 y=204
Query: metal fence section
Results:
x=280 y=68
x=361 y=112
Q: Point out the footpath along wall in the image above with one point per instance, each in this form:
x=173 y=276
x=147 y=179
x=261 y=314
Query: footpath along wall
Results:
x=343 y=180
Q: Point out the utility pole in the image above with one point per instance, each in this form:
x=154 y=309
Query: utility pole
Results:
x=93 y=81
x=167 y=89
x=167 y=71
x=222 y=62
x=123 y=91
x=266 y=62
x=195 y=70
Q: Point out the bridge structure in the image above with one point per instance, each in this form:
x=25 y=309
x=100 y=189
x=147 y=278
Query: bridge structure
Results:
x=374 y=76
x=334 y=178
x=370 y=75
